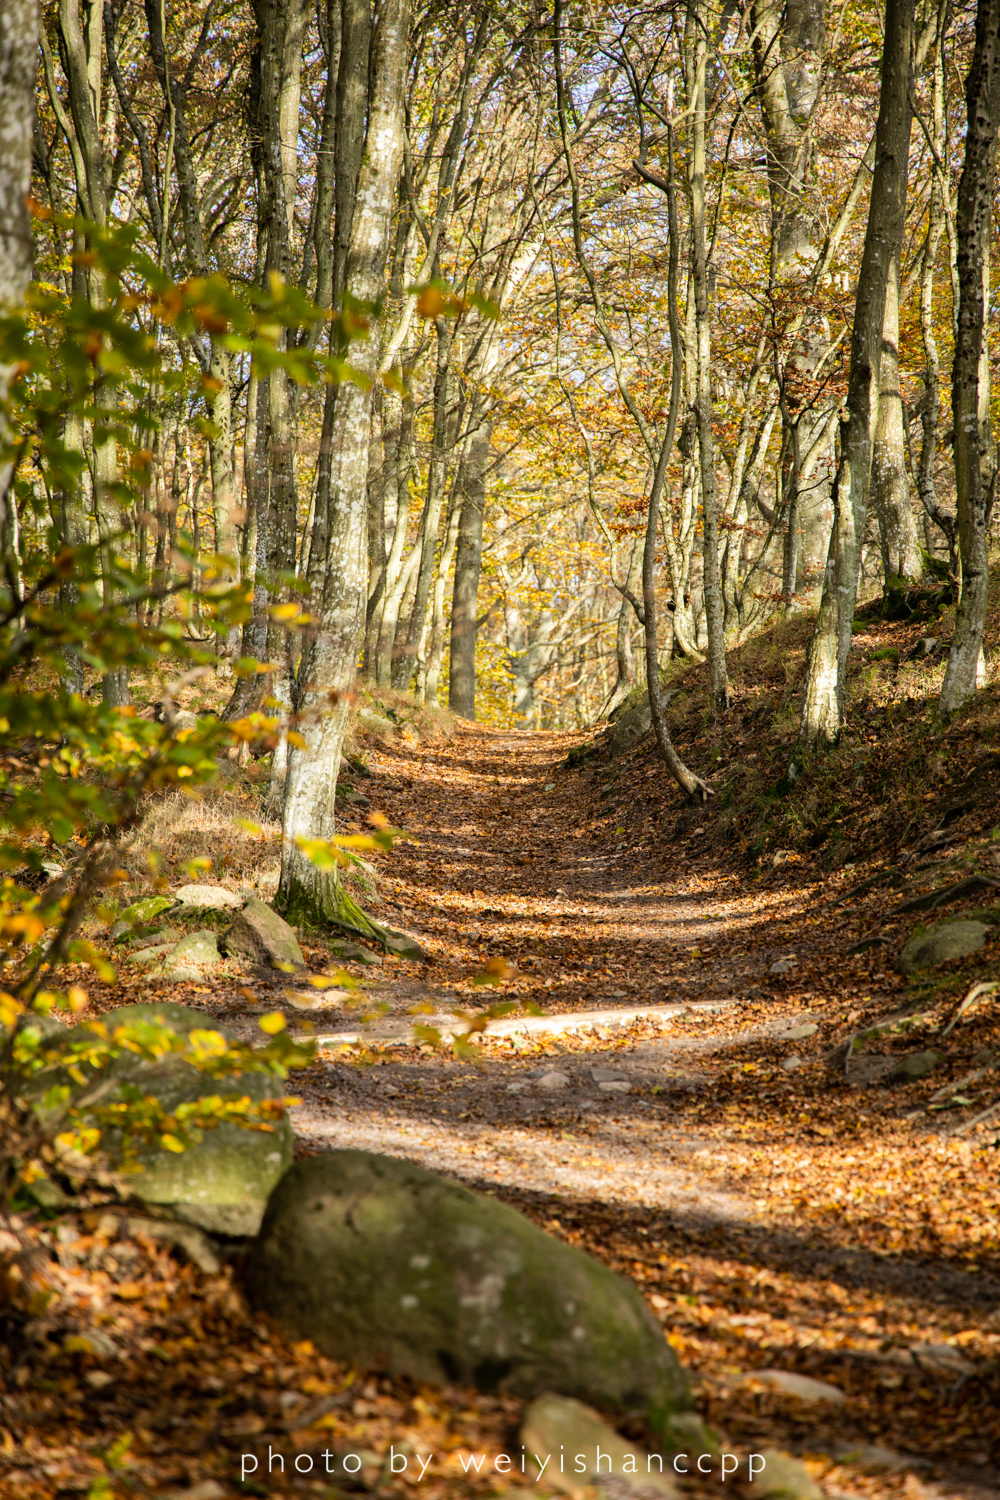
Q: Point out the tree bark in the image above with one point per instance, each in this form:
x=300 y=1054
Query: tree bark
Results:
x=897 y=524
x=18 y=53
x=718 y=679
x=329 y=661
x=970 y=384
x=417 y=632
x=468 y=565
x=826 y=675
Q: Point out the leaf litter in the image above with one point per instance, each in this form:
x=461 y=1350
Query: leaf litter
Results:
x=809 y=1220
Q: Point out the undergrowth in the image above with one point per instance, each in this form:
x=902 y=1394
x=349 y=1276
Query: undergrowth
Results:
x=895 y=777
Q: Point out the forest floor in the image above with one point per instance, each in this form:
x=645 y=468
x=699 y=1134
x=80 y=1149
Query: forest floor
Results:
x=781 y=1209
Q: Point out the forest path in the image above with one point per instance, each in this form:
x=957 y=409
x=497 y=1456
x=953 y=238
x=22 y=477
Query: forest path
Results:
x=678 y=1149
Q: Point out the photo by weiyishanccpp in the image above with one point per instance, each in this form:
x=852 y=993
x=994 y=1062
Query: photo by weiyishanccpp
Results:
x=533 y=1466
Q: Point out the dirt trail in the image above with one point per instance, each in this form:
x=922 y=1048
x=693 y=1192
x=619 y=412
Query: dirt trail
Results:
x=681 y=1150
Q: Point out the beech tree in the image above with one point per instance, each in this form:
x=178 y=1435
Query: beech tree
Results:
x=975 y=466
x=826 y=675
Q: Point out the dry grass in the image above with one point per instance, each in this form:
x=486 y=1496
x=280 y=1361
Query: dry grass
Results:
x=205 y=824
x=413 y=721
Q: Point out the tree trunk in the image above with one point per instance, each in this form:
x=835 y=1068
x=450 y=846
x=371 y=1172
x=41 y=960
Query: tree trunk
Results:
x=897 y=524
x=788 y=44
x=435 y=652
x=18 y=53
x=690 y=784
x=416 y=635
x=970 y=384
x=624 y=659
x=718 y=679
x=826 y=675
x=468 y=563
x=329 y=661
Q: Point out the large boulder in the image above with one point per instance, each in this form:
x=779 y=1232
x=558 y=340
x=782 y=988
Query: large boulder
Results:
x=942 y=944
x=222 y=1183
x=259 y=934
x=384 y=1264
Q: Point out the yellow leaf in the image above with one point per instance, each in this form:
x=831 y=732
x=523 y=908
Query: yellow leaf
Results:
x=78 y=998
x=10 y=1009
x=272 y=1023
x=249 y=827
x=430 y=303
x=282 y=612
x=171 y=1143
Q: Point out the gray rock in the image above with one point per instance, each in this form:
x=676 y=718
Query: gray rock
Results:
x=615 y=1086
x=872 y=1457
x=557 y=1424
x=916 y=1065
x=783 y=1478
x=139 y=914
x=222 y=1183
x=206 y=897
x=632 y=725
x=802 y=1387
x=791 y=1063
x=382 y=1263
x=607 y=1075
x=259 y=934
x=554 y=1080
x=199 y=950
x=194 y=1242
x=353 y=953
x=798 y=1033
x=941 y=1357
x=153 y=954
x=404 y=946
x=941 y=945
x=785 y=965
x=163 y=936
x=369 y=719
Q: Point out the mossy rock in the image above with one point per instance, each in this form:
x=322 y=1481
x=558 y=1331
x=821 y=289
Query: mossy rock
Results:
x=139 y=914
x=222 y=1183
x=383 y=1264
x=941 y=945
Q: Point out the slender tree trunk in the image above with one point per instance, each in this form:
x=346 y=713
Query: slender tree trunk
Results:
x=435 y=652
x=18 y=53
x=468 y=565
x=897 y=524
x=826 y=675
x=417 y=633
x=970 y=383
x=690 y=784
x=399 y=573
x=718 y=679
x=330 y=659
x=624 y=656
